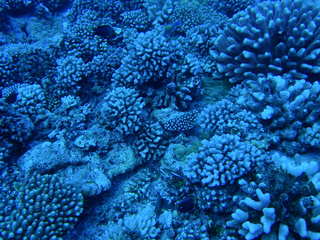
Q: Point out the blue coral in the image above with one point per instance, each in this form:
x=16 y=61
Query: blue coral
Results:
x=15 y=130
x=128 y=88
x=39 y=208
x=223 y=159
x=230 y=7
x=272 y=37
x=100 y=68
x=21 y=63
x=194 y=229
x=283 y=104
x=30 y=101
x=142 y=224
x=287 y=208
x=150 y=58
x=8 y=70
x=122 y=110
x=111 y=8
x=151 y=142
x=310 y=136
x=137 y=19
x=189 y=14
x=226 y=117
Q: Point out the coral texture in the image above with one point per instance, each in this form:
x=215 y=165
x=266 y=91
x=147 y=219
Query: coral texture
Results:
x=122 y=108
x=150 y=58
x=151 y=143
x=288 y=208
x=226 y=117
x=15 y=130
x=284 y=105
x=41 y=208
x=221 y=160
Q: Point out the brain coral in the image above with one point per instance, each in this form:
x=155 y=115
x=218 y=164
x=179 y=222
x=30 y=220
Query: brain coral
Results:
x=278 y=37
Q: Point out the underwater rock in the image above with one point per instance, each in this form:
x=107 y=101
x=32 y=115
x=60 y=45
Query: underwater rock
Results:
x=49 y=157
x=120 y=160
x=90 y=179
x=71 y=166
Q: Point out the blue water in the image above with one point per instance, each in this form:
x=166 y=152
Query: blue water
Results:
x=156 y=120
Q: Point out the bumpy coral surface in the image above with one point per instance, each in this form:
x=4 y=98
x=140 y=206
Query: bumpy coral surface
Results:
x=15 y=130
x=221 y=160
x=122 y=108
x=150 y=58
x=226 y=117
x=39 y=208
x=151 y=143
x=230 y=7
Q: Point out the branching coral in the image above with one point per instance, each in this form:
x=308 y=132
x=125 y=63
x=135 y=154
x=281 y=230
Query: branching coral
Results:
x=274 y=36
x=15 y=130
x=226 y=117
x=284 y=105
x=151 y=143
x=223 y=159
x=283 y=206
x=122 y=110
x=151 y=58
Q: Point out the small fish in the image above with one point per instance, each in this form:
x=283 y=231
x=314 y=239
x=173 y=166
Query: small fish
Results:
x=174 y=29
x=105 y=31
x=187 y=204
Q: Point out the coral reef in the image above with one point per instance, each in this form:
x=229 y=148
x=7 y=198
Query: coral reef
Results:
x=230 y=7
x=137 y=19
x=72 y=167
x=151 y=143
x=150 y=58
x=188 y=14
x=226 y=117
x=30 y=101
x=8 y=71
x=169 y=119
x=142 y=224
x=70 y=72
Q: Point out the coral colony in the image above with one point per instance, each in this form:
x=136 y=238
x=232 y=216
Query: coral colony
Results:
x=159 y=120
